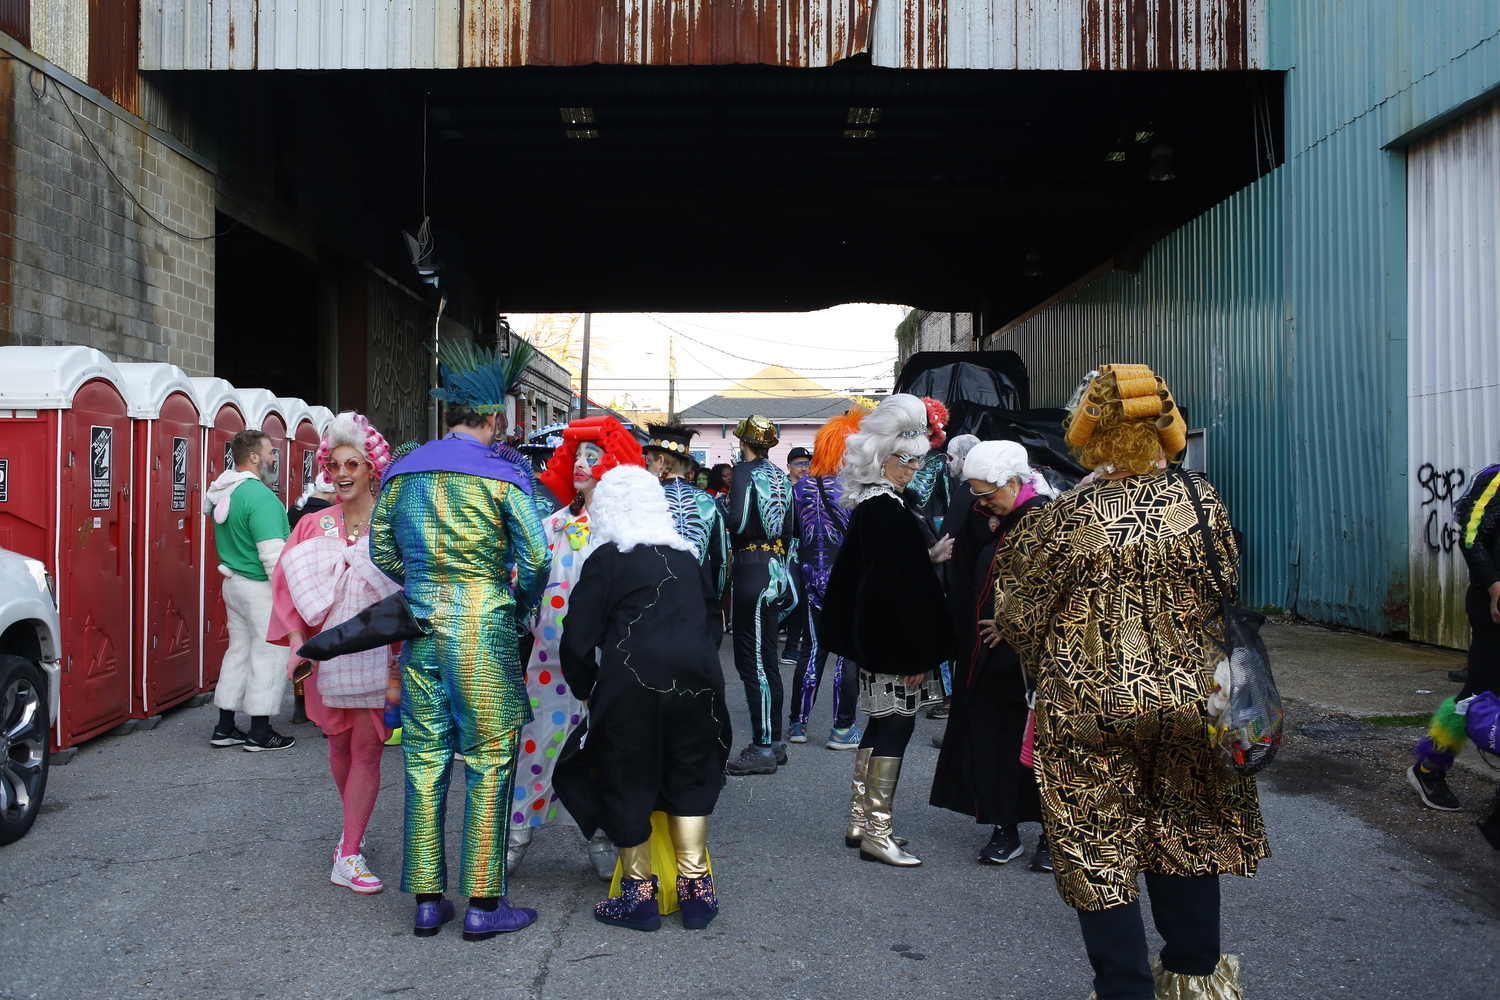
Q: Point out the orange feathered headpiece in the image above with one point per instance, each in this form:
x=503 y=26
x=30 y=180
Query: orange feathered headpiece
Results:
x=937 y=419
x=620 y=448
x=828 y=446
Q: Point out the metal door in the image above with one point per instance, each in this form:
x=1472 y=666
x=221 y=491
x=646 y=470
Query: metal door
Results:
x=95 y=544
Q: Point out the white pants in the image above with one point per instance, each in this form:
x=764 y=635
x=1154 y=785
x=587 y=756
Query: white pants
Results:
x=253 y=677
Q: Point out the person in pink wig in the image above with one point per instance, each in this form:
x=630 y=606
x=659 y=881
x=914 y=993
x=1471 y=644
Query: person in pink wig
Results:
x=325 y=577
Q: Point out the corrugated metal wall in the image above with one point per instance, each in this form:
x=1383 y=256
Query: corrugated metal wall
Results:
x=1207 y=311
x=60 y=34
x=446 y=34
x=1070 y=34
x=1453 y=379
x=15 y=19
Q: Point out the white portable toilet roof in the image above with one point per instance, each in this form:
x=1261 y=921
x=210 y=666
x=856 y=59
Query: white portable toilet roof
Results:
x=147 y=387
x=47 y=378
x=258 y=404
x=213 y=394
x=295 y=410
x=321 y=416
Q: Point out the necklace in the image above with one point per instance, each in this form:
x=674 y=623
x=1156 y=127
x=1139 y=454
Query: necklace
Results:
x=356 y=531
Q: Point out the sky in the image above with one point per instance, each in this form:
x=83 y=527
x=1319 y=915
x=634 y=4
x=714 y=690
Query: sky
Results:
x=846 y=348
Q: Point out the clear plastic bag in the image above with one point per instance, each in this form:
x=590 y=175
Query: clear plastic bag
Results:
x=1244 y=712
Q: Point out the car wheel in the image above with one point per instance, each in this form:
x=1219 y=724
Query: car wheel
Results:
x=23 y=746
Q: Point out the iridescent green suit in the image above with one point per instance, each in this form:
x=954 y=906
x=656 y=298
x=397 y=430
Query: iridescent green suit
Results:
x=454 y=539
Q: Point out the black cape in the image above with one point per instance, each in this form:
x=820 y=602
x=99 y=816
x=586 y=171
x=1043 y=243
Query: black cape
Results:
x=884 y=607
x=658 y=730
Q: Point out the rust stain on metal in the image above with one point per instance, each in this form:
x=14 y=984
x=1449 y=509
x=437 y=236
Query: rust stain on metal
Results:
x=15 y=20
x=1165 y=34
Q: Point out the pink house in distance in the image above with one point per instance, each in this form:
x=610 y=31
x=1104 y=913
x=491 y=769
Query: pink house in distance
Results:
x=799 y=405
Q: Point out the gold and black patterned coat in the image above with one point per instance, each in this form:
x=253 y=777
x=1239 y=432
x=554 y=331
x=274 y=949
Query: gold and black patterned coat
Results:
x=1105 y=595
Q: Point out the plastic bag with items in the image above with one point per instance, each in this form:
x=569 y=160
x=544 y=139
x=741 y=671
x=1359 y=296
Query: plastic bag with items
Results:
x=1244 y=712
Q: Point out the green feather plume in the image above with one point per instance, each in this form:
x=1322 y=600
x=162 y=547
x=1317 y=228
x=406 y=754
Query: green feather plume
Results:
x=477 y=377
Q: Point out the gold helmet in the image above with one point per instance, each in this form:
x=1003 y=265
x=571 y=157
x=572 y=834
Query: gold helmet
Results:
x=758 y=430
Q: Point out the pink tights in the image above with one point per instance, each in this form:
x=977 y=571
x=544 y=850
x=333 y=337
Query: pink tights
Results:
x=354 y=756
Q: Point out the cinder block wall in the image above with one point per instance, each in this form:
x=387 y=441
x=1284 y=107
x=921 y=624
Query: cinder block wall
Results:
x=80 y=262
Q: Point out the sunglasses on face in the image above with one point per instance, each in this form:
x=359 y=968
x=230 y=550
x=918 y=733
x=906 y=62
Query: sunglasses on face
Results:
x=908 y=461
x=349 y=465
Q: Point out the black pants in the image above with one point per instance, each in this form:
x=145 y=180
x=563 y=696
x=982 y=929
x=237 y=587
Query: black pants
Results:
x=809 y=678
x=887 y=735
x=798 y=635
x=1484 y=645
x=755 y=656
x=1186 y=913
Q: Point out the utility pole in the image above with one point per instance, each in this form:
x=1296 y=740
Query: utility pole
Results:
x=671 y=379
x=583 y=379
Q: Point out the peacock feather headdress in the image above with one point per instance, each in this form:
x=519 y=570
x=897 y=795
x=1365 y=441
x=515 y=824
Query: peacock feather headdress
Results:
x=477 y=377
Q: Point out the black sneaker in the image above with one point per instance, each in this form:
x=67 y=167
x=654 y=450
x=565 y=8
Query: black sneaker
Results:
x=1459 y=676
x=1004 y=846
x=233 y=738
x=271 y=741
x=779 y=749
x=1432 y=787
x=938 y=711
x=789 y=657
x=753 y=759
x=1041 y=858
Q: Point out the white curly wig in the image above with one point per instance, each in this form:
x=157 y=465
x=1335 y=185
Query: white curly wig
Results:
x=629 y=508
x=999 y=462
x=896 y=426
x=959 y=448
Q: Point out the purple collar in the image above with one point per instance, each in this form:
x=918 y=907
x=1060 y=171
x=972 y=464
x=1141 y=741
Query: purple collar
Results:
x=464 y=454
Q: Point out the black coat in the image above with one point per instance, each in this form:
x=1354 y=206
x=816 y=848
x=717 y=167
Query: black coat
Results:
x=658 y=730
x=885 y=608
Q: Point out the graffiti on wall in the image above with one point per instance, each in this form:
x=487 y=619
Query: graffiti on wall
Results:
x=1440 y=488
x=399 y=363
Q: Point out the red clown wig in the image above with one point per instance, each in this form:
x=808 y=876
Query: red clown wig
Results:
x=619 y=445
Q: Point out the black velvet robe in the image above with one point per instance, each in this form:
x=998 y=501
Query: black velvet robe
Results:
x=979 y=771
x=884 y=607
x=658 y=729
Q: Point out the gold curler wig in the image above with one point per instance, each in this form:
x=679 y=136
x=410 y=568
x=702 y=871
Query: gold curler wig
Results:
x=1125 y=420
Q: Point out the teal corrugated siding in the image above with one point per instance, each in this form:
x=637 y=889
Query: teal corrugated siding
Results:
x=1280 y=315
x=1205 y=311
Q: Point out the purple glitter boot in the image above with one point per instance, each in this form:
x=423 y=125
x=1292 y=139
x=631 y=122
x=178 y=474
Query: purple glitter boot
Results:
x=432 y=916
x=504 y=918
x=696 y=900
x=635 y=906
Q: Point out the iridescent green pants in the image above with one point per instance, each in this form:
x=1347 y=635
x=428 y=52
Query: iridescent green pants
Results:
x=457 y=696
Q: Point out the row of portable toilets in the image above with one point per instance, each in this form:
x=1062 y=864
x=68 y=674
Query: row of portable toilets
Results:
x=103 y=468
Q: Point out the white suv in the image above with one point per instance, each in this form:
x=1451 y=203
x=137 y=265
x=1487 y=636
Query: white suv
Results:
x=29 y=687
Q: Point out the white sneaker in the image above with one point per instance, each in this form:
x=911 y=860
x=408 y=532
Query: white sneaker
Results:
x=352 y=872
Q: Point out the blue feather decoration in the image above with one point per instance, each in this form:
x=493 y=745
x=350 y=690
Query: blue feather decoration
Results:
x=477 y=377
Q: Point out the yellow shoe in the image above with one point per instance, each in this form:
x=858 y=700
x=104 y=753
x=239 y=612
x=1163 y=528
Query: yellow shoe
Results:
x=395 y=740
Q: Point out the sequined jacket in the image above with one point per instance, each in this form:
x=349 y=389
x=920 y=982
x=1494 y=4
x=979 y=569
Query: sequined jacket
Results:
x=463 y=546
x=1105 y=594
x=699 y=519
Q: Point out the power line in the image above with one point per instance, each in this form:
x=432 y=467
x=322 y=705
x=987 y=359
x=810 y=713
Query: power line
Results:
x=753 y=361
x=782 y=343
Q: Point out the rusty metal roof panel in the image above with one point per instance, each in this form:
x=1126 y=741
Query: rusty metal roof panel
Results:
x=1070 y=34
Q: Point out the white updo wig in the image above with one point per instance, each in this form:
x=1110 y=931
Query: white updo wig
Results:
x=1000 y=462
x=629 y=508
x=898 y=426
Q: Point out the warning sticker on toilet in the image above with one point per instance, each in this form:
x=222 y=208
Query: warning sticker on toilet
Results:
x=308 y=472
x=276 y=470
x=101 y=461
x=4 y=480
x=228 y=456
x=179 y=473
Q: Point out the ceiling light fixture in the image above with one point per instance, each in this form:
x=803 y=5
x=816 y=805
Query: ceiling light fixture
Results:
x=1118 y=156
x=1143 y=136
x=578 y=116
x=862 y=116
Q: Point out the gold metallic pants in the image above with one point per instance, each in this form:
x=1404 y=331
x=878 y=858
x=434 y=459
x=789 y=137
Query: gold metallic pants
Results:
x=448 y=703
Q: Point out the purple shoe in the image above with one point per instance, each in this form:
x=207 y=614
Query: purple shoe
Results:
x=635 y=907
x=432 y=916
x=696 y=901
x=482 y=924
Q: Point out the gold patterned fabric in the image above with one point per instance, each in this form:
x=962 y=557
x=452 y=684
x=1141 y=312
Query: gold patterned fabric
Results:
x=1104 y=593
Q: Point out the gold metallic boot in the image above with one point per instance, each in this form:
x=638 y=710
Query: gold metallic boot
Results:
x=856 y=830
x=1222 y=984
x=880 y=792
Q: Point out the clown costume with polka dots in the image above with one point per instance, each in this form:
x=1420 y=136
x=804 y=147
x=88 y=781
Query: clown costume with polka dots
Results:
x=591 y=447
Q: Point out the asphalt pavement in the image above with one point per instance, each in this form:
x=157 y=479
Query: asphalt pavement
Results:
x=163 y=867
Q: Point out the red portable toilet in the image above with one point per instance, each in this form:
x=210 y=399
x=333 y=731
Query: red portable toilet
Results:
x=65 y=486
x=168 y=498
x=322 y=416
x=302 y=446
x=263 y=412
x=221 y=419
